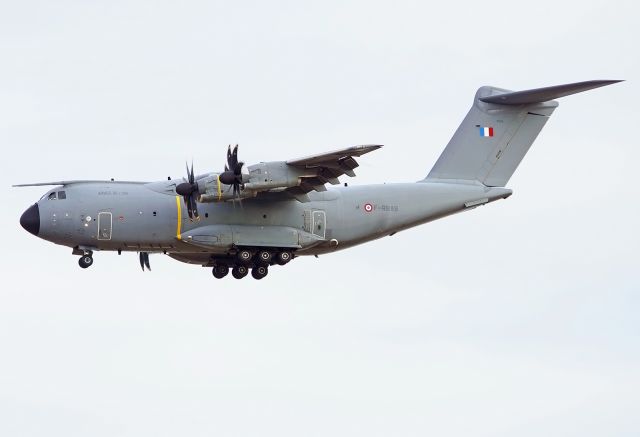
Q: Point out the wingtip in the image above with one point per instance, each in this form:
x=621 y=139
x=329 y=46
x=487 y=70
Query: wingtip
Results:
x=606 y=82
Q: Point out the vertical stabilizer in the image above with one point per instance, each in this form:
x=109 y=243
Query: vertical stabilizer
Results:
x=498 y=131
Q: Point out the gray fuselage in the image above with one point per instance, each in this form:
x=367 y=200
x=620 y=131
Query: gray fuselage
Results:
x=150 y=217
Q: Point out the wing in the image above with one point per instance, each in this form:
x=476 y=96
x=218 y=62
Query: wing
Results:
x=325 y=168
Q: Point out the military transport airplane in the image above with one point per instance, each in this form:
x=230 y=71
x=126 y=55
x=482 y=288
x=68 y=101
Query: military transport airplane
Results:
x=275 y=211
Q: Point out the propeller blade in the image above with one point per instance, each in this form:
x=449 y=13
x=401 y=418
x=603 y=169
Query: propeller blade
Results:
x=187 y=201
x=187 y=190
x=140 y=255
x=146 y=260
x=229 y=157
x=234 y=159
x=193 y=208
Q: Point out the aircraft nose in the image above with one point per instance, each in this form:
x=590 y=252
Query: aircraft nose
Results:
x=30 y=219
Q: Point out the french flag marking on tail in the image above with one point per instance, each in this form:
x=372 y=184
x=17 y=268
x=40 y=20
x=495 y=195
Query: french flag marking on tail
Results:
x=486 y=131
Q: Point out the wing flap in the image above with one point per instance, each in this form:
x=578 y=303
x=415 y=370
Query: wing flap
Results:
x=328 y=168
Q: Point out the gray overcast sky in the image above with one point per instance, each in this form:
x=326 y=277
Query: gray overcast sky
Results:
x=519 y=318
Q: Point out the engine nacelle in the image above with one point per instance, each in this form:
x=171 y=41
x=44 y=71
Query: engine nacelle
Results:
x=212 y=190
x=268 y=175
x=264 y=176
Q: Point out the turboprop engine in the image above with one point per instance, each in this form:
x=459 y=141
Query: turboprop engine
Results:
x=266 y=176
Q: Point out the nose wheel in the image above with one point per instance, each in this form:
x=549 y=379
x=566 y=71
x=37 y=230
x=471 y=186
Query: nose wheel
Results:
x=85 y=261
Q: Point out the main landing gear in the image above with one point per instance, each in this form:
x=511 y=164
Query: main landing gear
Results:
x=256 y=260
x=221 y=270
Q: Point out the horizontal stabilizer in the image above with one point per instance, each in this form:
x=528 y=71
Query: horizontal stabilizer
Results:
x=539 y=95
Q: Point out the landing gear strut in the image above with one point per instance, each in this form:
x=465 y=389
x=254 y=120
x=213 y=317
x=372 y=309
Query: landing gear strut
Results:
x=220 y=271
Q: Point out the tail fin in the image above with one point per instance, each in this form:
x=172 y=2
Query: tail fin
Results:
x=498 y=131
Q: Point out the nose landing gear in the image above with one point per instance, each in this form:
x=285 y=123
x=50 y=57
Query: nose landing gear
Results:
x=86 y=256
x=85 y=261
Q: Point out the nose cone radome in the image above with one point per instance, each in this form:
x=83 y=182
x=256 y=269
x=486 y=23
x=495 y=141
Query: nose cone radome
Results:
x=30 y=219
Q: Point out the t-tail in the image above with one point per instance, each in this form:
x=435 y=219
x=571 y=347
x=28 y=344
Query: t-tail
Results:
x=498 y=131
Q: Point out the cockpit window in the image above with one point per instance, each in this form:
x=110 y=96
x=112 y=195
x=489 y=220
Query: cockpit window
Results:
x=62 y=195
x=52 y=196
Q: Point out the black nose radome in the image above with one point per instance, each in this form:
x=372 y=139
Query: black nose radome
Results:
x=30 y=219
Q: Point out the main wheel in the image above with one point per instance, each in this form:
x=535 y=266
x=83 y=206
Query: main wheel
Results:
x=239 y=272
x=264 y=256
x=220 y=271
x=283 y=257
x=259 y=272
x=85 y=261
x=244 y=256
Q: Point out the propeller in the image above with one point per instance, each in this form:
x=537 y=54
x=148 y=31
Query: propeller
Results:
x=144 y=261
x=232 y=174
x=188 y=190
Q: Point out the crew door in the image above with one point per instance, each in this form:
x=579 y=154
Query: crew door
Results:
x=105 y=223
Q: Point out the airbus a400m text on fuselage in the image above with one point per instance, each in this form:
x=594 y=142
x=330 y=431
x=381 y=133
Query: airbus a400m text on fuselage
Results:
x=248 y=218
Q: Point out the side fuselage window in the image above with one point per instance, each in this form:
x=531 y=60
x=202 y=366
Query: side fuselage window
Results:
x=62 y=195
